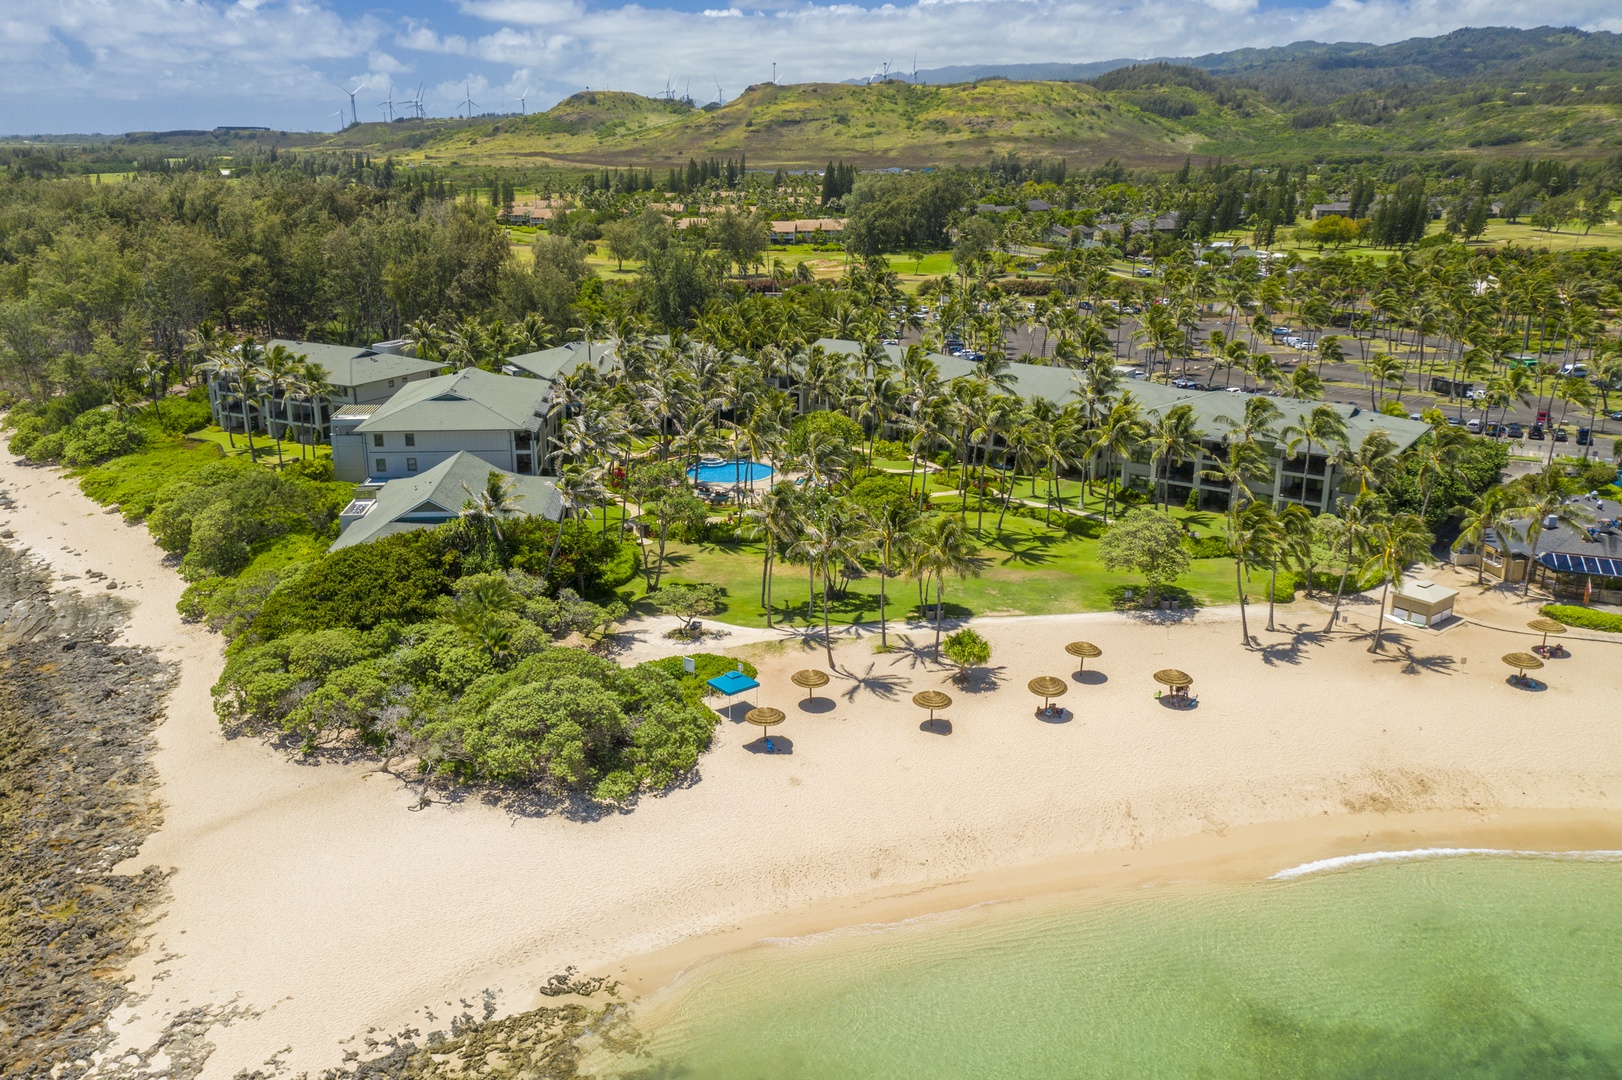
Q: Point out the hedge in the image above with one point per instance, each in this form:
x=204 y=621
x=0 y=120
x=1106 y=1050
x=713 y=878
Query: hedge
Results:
x=1585 y=618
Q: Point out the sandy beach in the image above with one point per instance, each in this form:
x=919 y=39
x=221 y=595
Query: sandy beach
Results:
x=311 y=896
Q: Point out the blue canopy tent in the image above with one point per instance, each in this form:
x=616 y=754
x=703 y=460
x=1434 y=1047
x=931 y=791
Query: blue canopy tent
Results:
x=732 y=684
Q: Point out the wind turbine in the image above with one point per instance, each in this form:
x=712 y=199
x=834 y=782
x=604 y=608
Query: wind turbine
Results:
x=469 y=103
x=340 y=115
x=358 y=88
x=416 y=102
x=523 y=101
x=717 y=89
x=915 y=67
x=388 y=103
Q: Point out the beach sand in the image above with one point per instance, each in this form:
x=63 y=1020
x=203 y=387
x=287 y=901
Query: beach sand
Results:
x=313 y=898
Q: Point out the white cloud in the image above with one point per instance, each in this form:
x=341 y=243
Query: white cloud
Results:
x=274 y=61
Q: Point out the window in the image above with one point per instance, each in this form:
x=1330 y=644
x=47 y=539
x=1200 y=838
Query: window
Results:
x=377 y=440
x=411 y=440
x=411 y=464
x=391 y=384
x=382 y=465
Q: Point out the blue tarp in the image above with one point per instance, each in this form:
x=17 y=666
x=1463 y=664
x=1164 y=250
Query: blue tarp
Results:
x=733 y=682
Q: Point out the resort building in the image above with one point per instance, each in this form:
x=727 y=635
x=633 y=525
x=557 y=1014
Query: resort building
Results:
x=1582 y=563
x=497 y=418
x=434 y=497
x=1307 y=479
x=358 y=376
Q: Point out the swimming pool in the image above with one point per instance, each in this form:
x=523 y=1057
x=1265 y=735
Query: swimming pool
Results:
x=731 y=472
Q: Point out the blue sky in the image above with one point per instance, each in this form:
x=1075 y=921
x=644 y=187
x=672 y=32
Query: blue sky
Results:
x=120 y=65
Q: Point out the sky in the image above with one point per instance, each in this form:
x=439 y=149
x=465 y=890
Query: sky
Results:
x=80 y=66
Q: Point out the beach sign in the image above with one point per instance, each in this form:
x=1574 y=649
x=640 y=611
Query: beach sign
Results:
x=688 y=666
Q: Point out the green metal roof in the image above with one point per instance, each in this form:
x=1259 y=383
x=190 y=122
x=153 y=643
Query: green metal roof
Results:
x=347 y=365
x=1058 y=384
x=470 y=400
x=443 y=489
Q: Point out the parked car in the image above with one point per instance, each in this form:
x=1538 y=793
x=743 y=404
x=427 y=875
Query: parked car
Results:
x=1143 y=271
x=1185 y=384
x=1536 y=432
x=1515 y=431
x=1615 y=414
x=1473 y=426
x=1494 y=429
x=1455 y=421
x=1585 y=436
x=1281 y=331
x=1560 y=435
x=1543 y=416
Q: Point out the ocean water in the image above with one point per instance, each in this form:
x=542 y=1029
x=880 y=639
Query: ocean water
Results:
x=1477 y=966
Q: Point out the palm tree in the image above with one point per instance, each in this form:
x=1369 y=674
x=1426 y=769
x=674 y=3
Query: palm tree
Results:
x=1251 y=534
x=311 y=385
x=1437 y=458
x=154 y=373
x=1355 y=520
x=1122 y=432
x=1173 y=438
x=483 y=510
x=1483 y=516
x=1546 y=495
x=1323 y=426
x=278 y=368
x=1294 y=532
x=578 y=485
x=775 y=522
x=891 y=524
x=1372 y=462
x=1394 y=543
x=943 y=547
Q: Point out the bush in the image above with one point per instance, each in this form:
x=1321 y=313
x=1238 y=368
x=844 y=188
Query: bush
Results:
x=890 y=450
x=966 y=649
x=180 y=415
x=46 y=447
x=1284 y=587
x=317 y=470
x=397 y=578
x=1585 y=618
x=1208 y=547
x=25 y=431
x=841 y=429
x=98 y=435
x=706 y=666
x=214 y=518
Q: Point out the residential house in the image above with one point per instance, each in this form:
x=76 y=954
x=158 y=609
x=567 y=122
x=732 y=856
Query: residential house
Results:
x=361 y=376
x=436 y=496
x=498 y=418
x=1340 y=208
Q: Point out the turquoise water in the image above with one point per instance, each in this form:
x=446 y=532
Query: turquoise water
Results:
x=1465 y=967
x=731 y=472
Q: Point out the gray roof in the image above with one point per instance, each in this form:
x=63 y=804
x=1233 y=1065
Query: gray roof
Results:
x=1600 y=537
x=552 y=364
x=349 y=365
x=1058 y=384
x=470 y=400
x=436 y=496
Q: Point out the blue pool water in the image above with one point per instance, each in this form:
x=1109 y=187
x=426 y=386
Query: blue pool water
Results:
x=731 y=472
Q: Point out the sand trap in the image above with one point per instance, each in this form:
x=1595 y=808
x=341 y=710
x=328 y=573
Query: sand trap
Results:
x=314 y=896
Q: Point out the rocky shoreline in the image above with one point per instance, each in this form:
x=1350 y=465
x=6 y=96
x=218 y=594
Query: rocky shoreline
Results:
x=77 y=798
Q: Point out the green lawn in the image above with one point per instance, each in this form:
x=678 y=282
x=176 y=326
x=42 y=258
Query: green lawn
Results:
x=1029 y=569
x=264 y=445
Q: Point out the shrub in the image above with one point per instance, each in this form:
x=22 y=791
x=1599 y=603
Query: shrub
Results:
x=1208 y=547
x=966 y=649
x=706 y=666
x=98 y=435
x=318 y=470
x=1585 y=618
x=397 y=578
x=842 y=430
x=25 y=431
x=1284 y=587
x=46 y=447
x=214 y=518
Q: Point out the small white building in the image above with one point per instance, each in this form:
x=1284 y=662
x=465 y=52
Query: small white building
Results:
x=1423 y=603
x=434 y=497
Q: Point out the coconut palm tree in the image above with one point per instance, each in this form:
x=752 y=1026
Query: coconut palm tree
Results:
x=1484 y=515
x=1293 y=526
x=775 y=522
x=1393 y=543
x=1172 y=438
x=941 y=547
x=1546 y=495
x=483 y=510
x=1120 y=435
x=154 y=376
x=1252 y=534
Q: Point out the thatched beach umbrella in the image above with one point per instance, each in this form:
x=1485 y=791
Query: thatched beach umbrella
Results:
x=1083 y=651
x=1047 y=687
x=1522 y=662
x=1546 y=627
x=931 y=700
x=1173 y=678
x=809 y=679
x=765 y=719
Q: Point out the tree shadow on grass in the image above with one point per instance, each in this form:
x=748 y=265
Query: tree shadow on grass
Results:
x=1029 y=551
